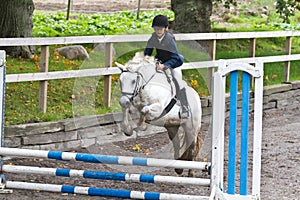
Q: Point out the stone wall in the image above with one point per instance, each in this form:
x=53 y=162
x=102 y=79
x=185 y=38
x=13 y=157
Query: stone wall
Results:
x=75 y=133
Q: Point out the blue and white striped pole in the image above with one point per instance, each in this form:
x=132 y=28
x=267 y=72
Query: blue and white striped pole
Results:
x=145 y=178
x=105 y=159
x=129 y=194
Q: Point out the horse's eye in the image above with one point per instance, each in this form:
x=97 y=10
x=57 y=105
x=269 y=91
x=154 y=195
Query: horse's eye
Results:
x=133 y=82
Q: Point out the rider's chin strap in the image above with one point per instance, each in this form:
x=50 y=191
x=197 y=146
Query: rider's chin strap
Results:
x=167 y=109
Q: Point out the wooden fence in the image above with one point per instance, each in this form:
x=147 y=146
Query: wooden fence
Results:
x=44 y=76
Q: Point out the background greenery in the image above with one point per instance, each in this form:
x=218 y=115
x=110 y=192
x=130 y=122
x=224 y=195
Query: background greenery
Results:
x=22 y=98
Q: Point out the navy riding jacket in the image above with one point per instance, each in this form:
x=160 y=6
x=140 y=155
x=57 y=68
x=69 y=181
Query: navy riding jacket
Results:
x=166 y=50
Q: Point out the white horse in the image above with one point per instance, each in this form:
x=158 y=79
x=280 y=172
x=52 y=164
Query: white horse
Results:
x=152 y=93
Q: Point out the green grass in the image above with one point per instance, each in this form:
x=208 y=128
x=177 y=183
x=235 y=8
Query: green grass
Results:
x=76 y=97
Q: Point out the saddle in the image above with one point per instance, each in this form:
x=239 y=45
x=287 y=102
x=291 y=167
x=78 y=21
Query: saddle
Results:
x=179 y=98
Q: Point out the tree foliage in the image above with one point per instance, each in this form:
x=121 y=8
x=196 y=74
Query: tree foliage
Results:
x=287 y=8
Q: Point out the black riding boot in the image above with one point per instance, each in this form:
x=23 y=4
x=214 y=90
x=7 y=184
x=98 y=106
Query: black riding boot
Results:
x=185 y=109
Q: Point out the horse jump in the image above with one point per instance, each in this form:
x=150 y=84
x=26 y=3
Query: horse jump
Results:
x=219 y=190
x=103 y=159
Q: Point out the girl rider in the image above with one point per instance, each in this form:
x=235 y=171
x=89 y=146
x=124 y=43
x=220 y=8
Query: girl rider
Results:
x=167 y=57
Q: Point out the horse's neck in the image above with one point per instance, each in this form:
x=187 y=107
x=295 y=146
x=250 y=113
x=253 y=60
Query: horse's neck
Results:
x=155 y=79
x=147 y=71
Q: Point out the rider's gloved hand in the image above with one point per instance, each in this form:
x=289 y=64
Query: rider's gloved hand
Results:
x=160 y=66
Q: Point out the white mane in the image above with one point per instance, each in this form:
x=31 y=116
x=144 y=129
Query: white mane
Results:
x=137 y=61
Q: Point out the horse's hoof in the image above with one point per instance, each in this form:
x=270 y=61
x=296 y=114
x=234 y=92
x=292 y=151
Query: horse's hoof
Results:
x=143 y=127
x=128 y=131
x=179 y=171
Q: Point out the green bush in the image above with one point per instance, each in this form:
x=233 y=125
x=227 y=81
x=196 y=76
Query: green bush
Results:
x=55 y=24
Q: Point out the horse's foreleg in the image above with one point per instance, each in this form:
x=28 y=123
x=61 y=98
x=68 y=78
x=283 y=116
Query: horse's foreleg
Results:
x=142 y=124
x=125 y=125
x=152 y=110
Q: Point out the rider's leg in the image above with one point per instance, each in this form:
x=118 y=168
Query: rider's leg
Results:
x=181 y=94
x=184 y=104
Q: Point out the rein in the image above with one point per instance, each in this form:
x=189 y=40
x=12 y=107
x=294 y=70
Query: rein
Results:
x=137 y=86
x=152 y=76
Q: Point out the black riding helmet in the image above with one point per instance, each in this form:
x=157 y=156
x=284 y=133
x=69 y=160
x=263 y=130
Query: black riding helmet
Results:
x=160 y=21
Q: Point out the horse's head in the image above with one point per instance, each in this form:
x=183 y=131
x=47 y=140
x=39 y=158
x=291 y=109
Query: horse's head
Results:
x=134 y=76
x=130 y=84
x=134 y=73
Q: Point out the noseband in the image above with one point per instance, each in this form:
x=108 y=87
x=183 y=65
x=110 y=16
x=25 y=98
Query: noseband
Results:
x=136 y=89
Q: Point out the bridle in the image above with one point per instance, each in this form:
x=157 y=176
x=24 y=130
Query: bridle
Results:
x=136 y=89
x=141 y=83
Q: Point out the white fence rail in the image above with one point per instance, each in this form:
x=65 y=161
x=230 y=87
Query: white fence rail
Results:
x=43 y=76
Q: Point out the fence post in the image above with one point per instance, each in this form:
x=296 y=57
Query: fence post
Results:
x=107 y=78
x=212 y=54
x=252 y=55
x=44 y=64
x=252 y=47
x=287 y=64
x=138 y=10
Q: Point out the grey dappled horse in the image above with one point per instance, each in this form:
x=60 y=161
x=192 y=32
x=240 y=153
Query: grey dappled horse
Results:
x=153 y=94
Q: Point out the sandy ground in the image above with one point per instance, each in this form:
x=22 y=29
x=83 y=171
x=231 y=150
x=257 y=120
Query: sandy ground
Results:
x=93 y=6
x=280 y=164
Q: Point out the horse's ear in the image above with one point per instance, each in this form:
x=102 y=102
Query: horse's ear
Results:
x=121 y=67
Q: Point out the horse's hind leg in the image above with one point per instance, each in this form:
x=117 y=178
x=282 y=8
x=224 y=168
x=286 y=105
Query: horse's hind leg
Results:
x=192 y=151
x=174 y=137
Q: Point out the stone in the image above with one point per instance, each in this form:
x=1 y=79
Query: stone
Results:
x=101 y=48
x=268 y=90
x=33 y=128
x=76 y=52
x=295 y=85
x=50 y=138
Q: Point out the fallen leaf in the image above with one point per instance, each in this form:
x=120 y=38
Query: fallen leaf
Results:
x=147 y=151
x=136 y=147
x=274 y=76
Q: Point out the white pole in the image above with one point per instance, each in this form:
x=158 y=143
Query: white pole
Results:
x=2 y=96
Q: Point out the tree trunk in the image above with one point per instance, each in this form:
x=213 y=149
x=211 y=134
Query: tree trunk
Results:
x=15 y=22
x=192 y=16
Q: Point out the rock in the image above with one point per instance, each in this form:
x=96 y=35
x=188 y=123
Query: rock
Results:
x=101 y=48
x=76 y=52
x=263 y=16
